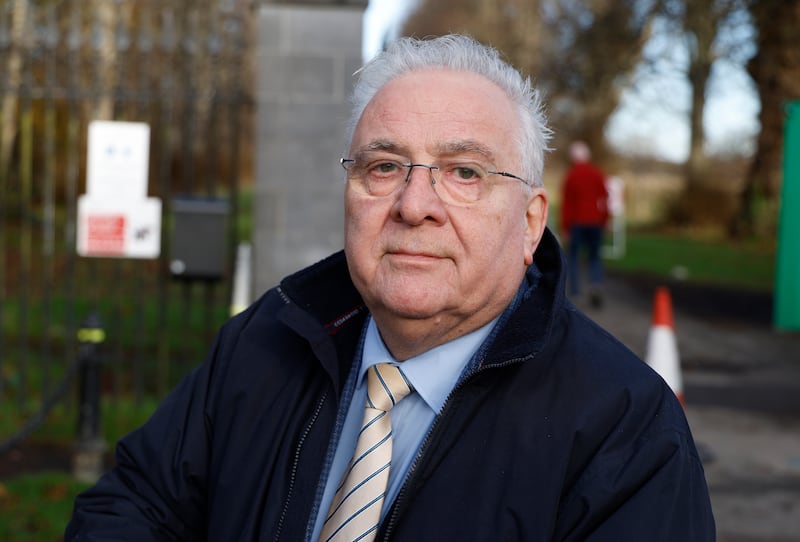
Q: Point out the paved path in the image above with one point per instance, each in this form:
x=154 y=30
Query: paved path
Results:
x=742 y=390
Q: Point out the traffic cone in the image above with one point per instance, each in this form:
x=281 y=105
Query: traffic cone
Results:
x=662 y=349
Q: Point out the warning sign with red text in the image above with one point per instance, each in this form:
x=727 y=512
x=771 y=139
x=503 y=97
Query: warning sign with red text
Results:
x=105 y=234
x=119 y=229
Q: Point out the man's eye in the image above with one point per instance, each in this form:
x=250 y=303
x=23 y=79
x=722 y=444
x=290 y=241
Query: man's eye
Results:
x=387 y=167
x=464 y=173
x=384 y=168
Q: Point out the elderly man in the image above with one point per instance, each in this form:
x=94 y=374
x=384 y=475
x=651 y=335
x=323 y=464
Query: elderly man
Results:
x=431 y=382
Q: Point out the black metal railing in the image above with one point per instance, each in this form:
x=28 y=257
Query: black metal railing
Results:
x=179 y=66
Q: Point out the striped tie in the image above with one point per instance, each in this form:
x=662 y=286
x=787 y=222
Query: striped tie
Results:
x=356 y=508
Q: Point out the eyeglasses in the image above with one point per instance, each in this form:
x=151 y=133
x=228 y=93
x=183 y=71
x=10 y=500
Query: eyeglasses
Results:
x=459 y=180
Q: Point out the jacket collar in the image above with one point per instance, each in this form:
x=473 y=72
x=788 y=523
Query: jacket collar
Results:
x=323 y=305
x=527 y=324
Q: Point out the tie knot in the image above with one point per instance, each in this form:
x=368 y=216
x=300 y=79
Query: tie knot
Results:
x=386 y=386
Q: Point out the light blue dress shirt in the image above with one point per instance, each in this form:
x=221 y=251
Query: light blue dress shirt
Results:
x=433 y=374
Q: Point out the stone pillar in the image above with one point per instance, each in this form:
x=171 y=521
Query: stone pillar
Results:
x=306 y=55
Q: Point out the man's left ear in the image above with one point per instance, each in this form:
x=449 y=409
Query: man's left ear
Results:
x=535 y=222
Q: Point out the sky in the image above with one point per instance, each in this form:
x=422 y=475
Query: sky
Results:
x=647 y=122
x=382 y=18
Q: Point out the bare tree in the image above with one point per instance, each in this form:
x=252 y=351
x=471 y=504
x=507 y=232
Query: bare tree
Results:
x=701 y=22
x=580 y=52
x=120 y=59
x=776 y=71
x=512 y=26
x=106 y=14
x=593 y=48
x=13 y=75
x=703 y=26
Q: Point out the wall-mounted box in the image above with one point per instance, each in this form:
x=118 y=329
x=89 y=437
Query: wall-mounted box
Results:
x=199 y=243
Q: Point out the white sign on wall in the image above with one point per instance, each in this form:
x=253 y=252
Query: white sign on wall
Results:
x=115 y=217
x=118 y=159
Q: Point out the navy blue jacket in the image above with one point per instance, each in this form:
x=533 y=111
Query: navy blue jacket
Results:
x=558 y=432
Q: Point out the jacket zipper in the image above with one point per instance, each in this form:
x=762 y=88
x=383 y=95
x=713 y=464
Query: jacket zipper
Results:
x=424 y=447
x=296 y=462
x=283 y=295
x=326 y=469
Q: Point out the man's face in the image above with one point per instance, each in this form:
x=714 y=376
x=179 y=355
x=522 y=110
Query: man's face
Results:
x=429 y=270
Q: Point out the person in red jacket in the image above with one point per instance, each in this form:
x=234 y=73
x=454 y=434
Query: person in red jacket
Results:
x=584 y=213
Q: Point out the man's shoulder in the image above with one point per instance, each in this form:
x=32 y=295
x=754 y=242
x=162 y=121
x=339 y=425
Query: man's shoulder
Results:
x=594 y=360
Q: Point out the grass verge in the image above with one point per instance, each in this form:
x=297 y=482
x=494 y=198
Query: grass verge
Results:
x=36 y=507
x=748 y=264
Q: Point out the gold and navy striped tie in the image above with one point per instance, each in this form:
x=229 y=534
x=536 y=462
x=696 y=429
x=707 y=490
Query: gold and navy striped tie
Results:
x=356 y=508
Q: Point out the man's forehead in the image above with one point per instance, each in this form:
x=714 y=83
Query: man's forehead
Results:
x=439 y=112
x=438 y=91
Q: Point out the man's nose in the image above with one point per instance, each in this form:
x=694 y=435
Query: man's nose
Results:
x=419 y=200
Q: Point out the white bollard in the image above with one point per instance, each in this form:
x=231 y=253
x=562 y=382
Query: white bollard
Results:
x=242 y=278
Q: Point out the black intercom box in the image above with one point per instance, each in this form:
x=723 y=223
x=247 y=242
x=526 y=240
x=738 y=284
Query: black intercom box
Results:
x=199 y=243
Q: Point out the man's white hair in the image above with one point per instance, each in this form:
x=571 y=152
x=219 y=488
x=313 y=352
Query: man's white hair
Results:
x=460 y=53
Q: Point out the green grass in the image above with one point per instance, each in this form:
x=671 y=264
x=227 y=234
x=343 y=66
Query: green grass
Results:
x=135 y=312
x=748 y=264
x=118 y=417
x=36 y=507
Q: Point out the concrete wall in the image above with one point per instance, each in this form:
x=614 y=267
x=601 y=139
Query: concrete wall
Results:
x=305 y=60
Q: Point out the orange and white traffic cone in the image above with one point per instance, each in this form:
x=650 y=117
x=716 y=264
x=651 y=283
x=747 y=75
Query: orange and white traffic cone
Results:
x=662 y=349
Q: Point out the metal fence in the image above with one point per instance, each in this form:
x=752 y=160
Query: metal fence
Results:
x=178 y=66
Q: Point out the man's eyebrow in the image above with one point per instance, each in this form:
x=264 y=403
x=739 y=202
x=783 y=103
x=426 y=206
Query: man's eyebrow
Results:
x=381 y=145
x=466 y=146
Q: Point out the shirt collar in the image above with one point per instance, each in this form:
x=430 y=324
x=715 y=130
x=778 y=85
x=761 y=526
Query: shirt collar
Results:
x=433 y=373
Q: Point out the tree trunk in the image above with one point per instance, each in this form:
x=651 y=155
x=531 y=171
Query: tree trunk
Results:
x=106 y=14
x=775 y=69
x=701 y=29
x=13 y=74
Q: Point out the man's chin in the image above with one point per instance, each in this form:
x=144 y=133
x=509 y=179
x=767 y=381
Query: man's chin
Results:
x=408 y=296
x=419 y=307
x=410 y=312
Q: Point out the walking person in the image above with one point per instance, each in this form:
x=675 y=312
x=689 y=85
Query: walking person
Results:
x=584 y=214
x=429 y=382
